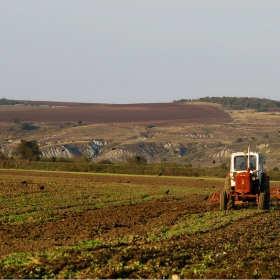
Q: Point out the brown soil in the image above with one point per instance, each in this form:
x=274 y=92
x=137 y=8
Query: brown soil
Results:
x=111 y=222
x=246 y=248
x=150 y=113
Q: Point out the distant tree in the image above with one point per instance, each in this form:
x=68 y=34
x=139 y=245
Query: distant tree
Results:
x=219 y=144
x=136 y=160
x=105 y=161
x=17 y=121
x=28 y=150
x=224 y=165
x=85 y=159
x=27 y=126
x=239 y=140
x=2 y=155
x=4 y=101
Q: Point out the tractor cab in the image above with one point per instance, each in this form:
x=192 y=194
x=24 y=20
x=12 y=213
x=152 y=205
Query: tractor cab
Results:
x=242 y=162
x=246 y=162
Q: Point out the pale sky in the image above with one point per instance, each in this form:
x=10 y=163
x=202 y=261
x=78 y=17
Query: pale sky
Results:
x=132 y=51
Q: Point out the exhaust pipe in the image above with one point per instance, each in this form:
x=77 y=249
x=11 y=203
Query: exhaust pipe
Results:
x=248 y=163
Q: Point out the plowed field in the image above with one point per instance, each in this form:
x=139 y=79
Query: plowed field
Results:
x=73 y=225
x=150 y=113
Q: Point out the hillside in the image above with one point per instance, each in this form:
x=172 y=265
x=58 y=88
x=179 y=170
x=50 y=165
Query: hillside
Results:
x=193 y=134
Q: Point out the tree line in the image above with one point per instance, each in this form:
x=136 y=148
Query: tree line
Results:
x=234 y=103
x=239 y=103
x=4 y=101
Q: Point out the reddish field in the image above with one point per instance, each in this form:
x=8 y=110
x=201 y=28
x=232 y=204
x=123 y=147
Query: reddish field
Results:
x=150 y=113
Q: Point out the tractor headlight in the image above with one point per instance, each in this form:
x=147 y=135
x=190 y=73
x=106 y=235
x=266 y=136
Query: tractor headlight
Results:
x=232 y=177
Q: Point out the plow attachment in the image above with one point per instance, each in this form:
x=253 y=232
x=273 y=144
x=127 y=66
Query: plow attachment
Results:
x=245 y=199
x=275 y=195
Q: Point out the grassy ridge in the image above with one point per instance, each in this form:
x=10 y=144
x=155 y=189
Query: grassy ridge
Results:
x=166 y=169
x=158 y=169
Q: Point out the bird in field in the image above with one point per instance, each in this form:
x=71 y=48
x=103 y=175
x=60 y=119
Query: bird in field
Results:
x=167 y=192
x=217 y=174
x=214 y=187
x=160 y=173
x=24 y=182
x=206 y=197
x=214 y=161
x=42 y=188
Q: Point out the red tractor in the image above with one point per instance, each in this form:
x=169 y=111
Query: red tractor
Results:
x=245 y=183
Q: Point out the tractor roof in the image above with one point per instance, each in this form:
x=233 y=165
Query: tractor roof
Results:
x=244 y=154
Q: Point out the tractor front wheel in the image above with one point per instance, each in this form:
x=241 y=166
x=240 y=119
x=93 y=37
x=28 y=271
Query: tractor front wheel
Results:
x=229 y=200
x=227 y=185
x=230 y=205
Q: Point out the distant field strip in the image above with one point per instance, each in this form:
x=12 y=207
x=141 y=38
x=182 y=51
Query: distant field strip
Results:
x=154 y=113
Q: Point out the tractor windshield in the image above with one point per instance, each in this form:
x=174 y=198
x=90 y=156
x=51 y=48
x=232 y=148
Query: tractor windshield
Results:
x=241 y=162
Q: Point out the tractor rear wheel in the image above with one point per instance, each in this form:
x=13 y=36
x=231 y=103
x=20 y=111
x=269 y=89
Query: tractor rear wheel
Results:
x=223 y=201
x=261 y=201
x=265 y=184
x=264 y=201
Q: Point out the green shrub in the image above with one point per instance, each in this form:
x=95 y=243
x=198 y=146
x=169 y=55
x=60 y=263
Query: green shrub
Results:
x=136 y=160
x=105 y=161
